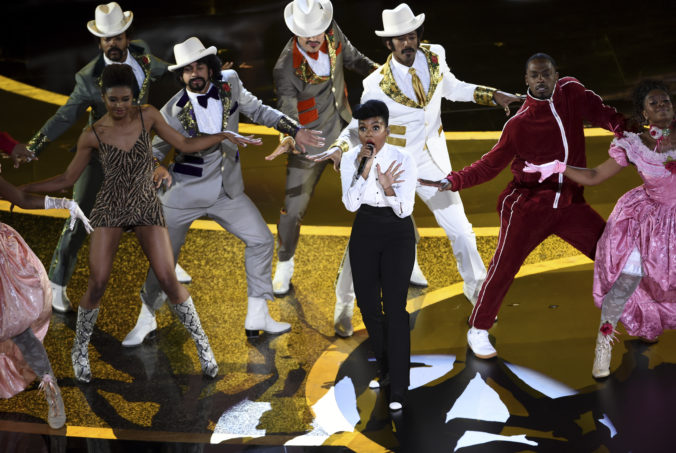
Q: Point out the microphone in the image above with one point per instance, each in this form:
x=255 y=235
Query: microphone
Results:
x=362 y=163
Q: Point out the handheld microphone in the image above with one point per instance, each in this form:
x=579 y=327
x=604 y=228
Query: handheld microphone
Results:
x=362 y=163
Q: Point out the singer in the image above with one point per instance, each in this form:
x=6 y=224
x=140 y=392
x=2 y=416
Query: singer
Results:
x=379 y=182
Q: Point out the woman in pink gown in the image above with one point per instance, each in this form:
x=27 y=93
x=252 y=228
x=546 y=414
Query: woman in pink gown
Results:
x=25 y=300
x=635 y=264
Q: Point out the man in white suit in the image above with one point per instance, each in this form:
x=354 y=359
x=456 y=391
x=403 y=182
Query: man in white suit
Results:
x=412 y=83
x=209 y=183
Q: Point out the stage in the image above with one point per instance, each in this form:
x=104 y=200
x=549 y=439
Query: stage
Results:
x=307 y=390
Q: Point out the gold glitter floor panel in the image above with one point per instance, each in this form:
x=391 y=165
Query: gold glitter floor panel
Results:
x=309 y=388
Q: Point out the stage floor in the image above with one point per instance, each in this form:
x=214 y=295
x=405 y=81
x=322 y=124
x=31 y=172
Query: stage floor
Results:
x=309 y=388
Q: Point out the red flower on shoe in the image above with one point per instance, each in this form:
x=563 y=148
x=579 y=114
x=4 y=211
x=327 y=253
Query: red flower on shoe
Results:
x=607 y=328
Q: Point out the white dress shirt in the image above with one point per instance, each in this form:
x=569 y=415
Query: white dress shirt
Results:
x=358 y=191
x=321 y=66
x=135 y=67
x=405 y=80
x=210 y=119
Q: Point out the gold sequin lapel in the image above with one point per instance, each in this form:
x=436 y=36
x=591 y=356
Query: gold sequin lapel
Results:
x=390 y=88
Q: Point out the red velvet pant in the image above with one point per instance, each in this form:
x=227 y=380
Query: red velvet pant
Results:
x=524 y=224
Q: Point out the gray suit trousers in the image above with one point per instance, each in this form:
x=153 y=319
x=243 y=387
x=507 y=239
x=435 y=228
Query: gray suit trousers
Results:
x=84 y=192
x=302 y=177
x=238 y=216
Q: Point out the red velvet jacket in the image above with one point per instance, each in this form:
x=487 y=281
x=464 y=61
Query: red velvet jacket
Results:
x=540 y=132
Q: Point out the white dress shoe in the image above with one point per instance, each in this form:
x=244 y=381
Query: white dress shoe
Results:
x=60 y=301
x=281 y=283
x=181 y=275
x=258 y=319
x=145 y=325
x=374 y=384
x=480 y=344
x=417 y=276
x=395 y=406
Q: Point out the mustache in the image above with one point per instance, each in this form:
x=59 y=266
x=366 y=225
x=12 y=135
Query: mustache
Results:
x=196 y=79
x=114 y=49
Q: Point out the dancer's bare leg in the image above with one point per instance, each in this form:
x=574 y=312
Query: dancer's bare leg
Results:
x=155 y=243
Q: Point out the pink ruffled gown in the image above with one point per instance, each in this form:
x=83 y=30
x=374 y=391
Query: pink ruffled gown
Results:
x=25 y=301
x=643 y=218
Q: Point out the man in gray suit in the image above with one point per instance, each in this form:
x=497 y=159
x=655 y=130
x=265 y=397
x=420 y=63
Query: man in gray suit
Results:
x=209 y=183
x=111 y=27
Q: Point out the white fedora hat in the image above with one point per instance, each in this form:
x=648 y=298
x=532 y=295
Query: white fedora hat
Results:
x=399 y=21
x=109 y=20
x=307 y=18
x=190 y=51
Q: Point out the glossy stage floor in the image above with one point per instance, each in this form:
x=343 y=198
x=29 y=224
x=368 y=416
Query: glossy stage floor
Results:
x=309 y=387
x=307 y=390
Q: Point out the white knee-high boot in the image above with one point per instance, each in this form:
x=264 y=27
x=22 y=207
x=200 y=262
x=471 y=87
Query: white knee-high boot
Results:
x=344 y=309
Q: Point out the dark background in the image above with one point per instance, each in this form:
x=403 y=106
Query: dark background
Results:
x=608 y=45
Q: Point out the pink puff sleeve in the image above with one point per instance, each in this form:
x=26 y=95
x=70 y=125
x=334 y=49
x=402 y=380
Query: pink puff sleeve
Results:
x=618 y=152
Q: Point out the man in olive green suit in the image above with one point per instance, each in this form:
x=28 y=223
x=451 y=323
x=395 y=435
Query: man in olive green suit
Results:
x=310 y=87
x=110 y=26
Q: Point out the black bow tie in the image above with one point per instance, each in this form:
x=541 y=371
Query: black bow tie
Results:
x=203 y=99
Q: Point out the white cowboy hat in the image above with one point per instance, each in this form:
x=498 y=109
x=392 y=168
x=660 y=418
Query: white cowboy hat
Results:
x=307 y=18
x=190 y=51
x=399 y=21
x=109 y=20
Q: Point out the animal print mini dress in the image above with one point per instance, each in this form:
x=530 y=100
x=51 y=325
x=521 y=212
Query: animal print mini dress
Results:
x=128 y=197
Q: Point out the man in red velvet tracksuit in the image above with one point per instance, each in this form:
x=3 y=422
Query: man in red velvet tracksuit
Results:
x=548 y=126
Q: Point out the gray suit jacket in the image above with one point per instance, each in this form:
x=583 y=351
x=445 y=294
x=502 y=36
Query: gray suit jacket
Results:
x=319 y=103
x=87 y=93
x=198 y=178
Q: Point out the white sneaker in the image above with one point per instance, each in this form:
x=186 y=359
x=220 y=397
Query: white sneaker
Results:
x=60 y=301
x=258 y=318
x=181 y=275
x=145 y=324
x=282 y=281
x=417 y=276
x=480 y=344
x=602 y=355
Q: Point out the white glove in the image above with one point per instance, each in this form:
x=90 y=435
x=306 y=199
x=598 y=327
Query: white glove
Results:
x=545 y=170
x=72 y=206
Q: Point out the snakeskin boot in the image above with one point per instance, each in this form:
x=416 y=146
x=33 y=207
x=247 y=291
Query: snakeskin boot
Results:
x=188 y=316
x=79 y=355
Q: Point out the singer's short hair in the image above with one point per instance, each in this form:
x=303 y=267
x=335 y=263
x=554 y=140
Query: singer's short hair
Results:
x=370 y=109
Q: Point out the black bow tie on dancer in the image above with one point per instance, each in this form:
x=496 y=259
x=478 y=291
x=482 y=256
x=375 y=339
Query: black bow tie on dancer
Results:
x=204 y=98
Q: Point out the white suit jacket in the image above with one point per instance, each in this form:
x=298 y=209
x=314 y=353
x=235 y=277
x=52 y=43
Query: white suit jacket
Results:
x=414 y=126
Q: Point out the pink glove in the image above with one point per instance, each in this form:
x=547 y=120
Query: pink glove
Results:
x=73 y=207
x=545 y=170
